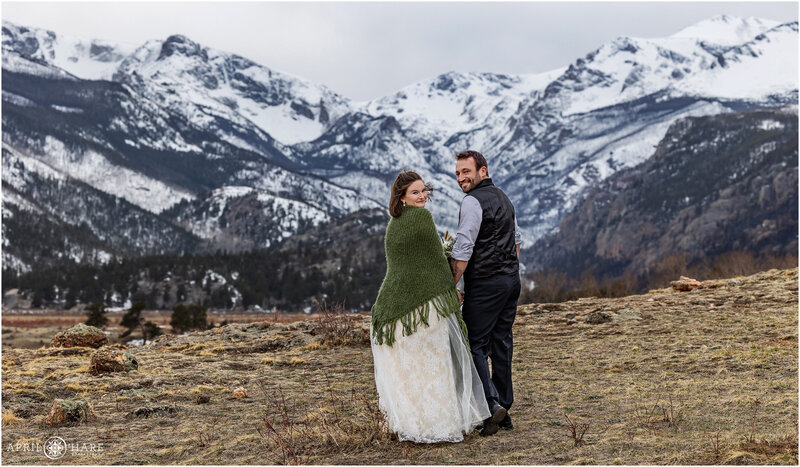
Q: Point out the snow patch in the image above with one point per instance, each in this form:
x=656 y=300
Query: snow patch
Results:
x=769 y=125
x=94 y=169
x=213 y=277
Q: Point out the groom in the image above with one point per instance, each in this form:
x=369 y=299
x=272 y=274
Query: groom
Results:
x=486 y=253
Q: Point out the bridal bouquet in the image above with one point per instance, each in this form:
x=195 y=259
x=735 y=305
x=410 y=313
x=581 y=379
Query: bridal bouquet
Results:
x=447 y=243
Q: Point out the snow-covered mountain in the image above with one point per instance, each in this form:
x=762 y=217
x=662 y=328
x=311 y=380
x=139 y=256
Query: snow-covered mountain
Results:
x=203 y=136
x=549 y=137
x=716 y=185
x=85 y=59
x=725 y=30
x=207 y=84
x=609 y=109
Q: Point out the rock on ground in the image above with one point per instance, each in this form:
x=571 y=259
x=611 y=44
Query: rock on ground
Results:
x=80 y=335
x=685 y=284
x=109 y=360
x=68 y=412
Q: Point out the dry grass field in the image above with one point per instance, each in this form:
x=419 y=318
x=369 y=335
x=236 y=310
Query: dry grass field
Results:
x=32 y=329
x=702 y=377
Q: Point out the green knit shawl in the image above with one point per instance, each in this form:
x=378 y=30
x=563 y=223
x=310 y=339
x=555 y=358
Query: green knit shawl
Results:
x=417 y=275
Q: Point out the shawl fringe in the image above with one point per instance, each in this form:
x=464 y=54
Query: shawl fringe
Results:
x=444 y=304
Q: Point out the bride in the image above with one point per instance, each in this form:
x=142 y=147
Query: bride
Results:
x=427 y=384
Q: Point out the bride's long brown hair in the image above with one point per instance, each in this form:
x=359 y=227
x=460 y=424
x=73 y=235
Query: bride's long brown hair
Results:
x=399 y=187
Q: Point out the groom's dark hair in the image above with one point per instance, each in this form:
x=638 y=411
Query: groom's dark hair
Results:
x=480 y=161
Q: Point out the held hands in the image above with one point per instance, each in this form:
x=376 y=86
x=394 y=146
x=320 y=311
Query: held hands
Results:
x=460 y=297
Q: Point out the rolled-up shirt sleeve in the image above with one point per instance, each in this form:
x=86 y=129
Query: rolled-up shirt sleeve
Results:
x=469 y=225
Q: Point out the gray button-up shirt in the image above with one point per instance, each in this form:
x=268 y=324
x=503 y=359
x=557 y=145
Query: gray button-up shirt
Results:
x=469 y=225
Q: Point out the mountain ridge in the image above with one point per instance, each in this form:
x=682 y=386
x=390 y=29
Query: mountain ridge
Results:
x=715 y=184
x=189 y=120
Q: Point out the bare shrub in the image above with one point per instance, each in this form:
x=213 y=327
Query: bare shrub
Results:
x=739 y=263
x=652 y=417
x=646 y=416
x=735 y=263
x=374 y=427
x=548 y=287
x=366 y=425
x=672 y=412
x=361 y=430
x=751 y=437
x=669 y=268
x=589 y=287
x=335 y=325
x=346 y=422
x=715 y=445
x=622 y=286
x=578 y=430
x=787 y=261
x=208 y=434
x=278 y=426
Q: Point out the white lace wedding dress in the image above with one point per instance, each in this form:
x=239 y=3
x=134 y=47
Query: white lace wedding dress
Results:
x=428 y=387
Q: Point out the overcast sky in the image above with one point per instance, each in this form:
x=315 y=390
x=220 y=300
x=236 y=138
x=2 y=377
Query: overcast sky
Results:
x=365 y=50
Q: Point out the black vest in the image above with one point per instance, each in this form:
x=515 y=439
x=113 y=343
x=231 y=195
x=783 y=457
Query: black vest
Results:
x=495 y=251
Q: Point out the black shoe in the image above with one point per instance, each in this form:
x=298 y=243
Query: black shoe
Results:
x=506 y=424
x=491 y=424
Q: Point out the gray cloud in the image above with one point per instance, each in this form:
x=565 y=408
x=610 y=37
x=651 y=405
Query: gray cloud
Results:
x=365 y=50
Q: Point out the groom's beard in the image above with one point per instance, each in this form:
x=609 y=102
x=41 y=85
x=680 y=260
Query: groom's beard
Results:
x=469 y=184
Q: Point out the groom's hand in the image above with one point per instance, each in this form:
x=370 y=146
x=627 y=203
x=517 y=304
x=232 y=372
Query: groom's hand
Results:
x=458 y=268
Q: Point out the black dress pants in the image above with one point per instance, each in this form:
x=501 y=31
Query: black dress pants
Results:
x=490 y=306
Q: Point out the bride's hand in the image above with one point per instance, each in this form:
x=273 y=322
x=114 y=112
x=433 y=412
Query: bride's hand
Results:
x=460 y=297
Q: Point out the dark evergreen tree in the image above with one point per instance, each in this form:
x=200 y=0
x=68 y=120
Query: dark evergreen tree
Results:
x=180 y=319
x=180 y=295
x=70 y=298
x=188 y=318
x=198 y=314
x=132 y=318
x=287 y=277
x=96 y=313
x=150 y=330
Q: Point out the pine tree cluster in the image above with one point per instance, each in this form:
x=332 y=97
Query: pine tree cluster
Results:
x=288 y=279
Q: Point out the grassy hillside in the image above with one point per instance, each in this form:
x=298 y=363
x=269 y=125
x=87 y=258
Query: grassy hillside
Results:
x=702 y=377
